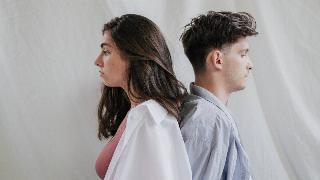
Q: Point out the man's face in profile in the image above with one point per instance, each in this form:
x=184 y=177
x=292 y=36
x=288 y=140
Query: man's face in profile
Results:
x=236 y=64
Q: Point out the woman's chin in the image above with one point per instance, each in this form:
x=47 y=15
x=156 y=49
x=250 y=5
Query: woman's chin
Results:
x=109 y=84
x=106 y=83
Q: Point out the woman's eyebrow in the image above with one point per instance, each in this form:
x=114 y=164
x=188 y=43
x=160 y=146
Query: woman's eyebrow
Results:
x=104 y=44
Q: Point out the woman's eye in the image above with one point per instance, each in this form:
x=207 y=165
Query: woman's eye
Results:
x=106 y=52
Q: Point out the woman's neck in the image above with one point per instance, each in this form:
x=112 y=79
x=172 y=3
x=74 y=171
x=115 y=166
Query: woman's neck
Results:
x=134 y=101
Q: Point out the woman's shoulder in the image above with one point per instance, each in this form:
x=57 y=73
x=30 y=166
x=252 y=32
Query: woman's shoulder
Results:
x=151 y=110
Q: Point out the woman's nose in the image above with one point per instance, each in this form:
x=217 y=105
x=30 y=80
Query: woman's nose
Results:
x=98 y=61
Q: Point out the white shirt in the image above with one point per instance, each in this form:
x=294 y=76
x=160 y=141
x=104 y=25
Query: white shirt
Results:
x=151 y=147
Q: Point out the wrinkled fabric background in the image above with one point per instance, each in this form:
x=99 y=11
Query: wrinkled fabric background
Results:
x=49 y=86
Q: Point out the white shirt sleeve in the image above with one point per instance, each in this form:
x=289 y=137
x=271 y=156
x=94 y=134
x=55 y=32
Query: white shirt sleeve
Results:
x=155 y=151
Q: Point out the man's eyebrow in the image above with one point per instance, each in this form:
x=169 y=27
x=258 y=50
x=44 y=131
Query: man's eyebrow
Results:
x=245 y=50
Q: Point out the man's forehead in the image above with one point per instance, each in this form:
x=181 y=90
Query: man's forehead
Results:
x=242 y=44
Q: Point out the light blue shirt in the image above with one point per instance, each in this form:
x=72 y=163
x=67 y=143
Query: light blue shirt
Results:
x=211 y=138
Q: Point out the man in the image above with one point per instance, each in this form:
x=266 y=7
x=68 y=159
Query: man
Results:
x=216 y=44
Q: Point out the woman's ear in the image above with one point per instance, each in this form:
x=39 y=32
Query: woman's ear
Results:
x=214 y=60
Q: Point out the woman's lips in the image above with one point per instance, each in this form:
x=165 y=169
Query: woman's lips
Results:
x=101 y=73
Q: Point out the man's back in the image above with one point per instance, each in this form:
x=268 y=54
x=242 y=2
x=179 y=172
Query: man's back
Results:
x=211 y=138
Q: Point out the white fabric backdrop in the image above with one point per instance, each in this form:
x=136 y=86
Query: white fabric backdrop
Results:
x=49 y=87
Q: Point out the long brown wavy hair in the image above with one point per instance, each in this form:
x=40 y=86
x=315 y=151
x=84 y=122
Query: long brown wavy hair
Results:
x=150 y=72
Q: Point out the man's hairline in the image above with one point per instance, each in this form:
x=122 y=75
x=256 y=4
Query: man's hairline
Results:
x=225 y=48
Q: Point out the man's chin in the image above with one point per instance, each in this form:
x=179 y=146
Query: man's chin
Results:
x=239 y=88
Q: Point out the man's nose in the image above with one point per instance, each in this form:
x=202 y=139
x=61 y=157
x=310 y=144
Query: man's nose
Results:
x=250 y=65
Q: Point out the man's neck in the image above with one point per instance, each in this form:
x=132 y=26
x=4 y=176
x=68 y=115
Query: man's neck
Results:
x=216 y=88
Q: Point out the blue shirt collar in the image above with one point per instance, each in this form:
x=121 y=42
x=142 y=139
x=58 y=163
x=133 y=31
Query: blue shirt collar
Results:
x=207 y=95
x=210 y=97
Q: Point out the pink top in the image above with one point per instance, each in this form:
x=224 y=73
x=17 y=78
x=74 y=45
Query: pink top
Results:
x=104 y=158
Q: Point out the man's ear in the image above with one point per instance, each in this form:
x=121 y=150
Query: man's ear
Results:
x=214 y=60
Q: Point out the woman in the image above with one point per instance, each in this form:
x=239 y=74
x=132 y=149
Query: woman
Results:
x=140 y=104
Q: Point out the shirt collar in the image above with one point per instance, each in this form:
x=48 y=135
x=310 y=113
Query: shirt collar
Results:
x=207 y=95
x=152 y=107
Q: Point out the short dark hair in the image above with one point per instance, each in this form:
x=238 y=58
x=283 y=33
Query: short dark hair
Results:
x=213 y=31
x=150 y=72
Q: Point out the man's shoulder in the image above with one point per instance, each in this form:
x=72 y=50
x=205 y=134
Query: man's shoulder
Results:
x=201 y=118
x=195 y=107
x=193 y=100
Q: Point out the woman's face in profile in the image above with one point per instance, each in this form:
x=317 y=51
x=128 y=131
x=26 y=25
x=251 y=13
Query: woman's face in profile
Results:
x=113 y=68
